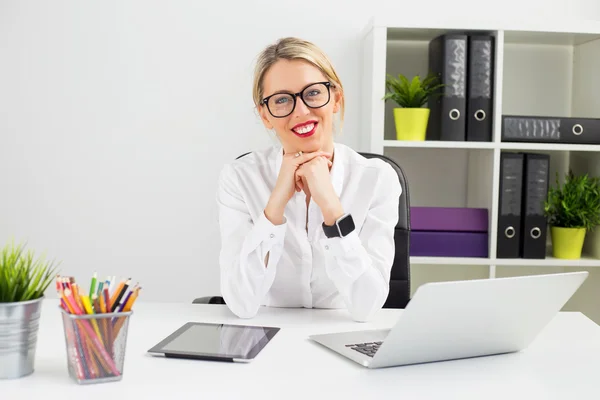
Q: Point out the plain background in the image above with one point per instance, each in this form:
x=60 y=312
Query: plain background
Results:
x=117 y=116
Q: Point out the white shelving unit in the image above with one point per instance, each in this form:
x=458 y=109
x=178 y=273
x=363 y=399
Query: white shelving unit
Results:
x=546 y=68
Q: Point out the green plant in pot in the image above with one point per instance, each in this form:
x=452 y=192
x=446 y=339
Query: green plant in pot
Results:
x=572 y=209
x=23 y=281
x=411 y=116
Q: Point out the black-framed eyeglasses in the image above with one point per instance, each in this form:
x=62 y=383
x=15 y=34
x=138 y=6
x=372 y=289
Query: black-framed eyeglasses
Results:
x=315 y=95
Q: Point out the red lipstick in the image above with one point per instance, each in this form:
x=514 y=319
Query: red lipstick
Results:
x=300 y=129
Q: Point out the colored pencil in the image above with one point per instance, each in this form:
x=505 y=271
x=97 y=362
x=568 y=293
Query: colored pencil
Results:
x=89 y=310
x=128 y=306
x=115 y=293
x=93 y=284
x=118 y=296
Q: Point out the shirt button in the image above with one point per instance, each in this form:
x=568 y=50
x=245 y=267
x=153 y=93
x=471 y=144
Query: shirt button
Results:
x=272 y=235
x=326 y=247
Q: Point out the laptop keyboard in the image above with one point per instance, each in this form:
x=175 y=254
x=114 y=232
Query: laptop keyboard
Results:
x=369 y=348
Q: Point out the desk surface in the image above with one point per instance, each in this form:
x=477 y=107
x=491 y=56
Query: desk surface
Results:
x=564 y=362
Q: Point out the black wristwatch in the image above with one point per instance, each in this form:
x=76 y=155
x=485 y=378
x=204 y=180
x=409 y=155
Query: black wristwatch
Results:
x=342 y=227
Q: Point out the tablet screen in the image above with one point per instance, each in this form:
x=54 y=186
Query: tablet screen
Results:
x=205 y=340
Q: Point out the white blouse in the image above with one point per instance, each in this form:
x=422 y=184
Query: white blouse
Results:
x=304 y=267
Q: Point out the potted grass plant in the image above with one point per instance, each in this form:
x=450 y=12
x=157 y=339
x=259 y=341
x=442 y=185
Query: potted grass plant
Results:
x=411 y=116
x=572 y=209
x=23 y=281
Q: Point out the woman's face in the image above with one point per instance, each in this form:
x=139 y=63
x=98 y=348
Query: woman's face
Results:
x=306 y=129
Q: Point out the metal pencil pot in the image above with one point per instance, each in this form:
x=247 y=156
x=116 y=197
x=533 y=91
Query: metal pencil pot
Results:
x=19 y=323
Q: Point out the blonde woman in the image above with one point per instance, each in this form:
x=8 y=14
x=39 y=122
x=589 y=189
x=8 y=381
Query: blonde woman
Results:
x=310 y=222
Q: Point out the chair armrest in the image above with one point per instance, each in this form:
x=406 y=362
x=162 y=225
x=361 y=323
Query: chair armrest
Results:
x=209 y=300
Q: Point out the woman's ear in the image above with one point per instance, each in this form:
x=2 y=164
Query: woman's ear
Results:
x=262 y=110
x=337 y=103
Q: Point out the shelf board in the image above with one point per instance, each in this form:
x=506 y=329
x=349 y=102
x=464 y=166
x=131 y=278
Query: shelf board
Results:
x=526 y=31
x=548 y=146
x=449 y=261
x=547 y=262
x=438 y=144
x=516 y=146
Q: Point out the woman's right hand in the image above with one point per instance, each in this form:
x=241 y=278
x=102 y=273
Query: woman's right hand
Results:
x=287 y=184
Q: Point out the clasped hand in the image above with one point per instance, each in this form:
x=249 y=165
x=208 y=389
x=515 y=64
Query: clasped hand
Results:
x=314 y=179
x=308 y=172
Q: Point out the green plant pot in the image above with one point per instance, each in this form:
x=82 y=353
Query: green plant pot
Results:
x=567 y=242
x=411 y=123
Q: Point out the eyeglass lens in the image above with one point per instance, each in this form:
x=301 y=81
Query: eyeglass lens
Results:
x=314 y=96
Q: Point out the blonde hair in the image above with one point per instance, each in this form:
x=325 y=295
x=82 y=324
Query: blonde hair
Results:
x=291 y=48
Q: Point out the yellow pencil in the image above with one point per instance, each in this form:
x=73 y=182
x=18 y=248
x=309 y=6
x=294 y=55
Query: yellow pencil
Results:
x=132 y=299
x=87 y=305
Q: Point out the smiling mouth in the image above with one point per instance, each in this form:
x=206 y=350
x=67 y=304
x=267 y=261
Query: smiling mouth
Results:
x=305 y=130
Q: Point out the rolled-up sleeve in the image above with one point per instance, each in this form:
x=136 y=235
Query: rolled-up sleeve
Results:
x=360 y=263
x=245 y=278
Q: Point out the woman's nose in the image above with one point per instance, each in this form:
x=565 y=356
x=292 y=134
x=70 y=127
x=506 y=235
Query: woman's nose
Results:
x=301 y=108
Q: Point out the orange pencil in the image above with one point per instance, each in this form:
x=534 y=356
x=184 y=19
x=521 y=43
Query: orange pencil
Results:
x=69 y=306
x=109 y=339
x=89 y=358
x=76 y=296
x=116 y=292
x=128 y=306
x=103 y=324
x=71 y=302
x=98 y=310
x=107 y=302
x=132 y=298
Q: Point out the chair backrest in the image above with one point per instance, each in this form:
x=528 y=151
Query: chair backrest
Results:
x=399 y=294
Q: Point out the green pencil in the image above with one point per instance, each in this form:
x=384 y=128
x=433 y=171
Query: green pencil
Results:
x=93 y=285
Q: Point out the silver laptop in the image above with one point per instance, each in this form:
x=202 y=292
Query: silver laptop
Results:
x=461 y=319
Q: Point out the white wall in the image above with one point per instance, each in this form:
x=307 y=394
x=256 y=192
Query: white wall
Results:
x=116 y=117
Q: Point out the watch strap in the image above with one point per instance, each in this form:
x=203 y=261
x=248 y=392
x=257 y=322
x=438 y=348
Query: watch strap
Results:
x=342 y=227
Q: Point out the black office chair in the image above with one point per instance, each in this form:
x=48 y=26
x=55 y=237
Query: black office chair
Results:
x=399 y=294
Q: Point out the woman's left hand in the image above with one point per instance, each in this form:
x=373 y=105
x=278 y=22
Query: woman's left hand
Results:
x=316 y=174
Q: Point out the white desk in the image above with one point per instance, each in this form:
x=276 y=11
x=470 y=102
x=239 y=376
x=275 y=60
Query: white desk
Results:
x=564 y=363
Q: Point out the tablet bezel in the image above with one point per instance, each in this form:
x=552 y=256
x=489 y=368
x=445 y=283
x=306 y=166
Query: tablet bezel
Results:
x=157 y=349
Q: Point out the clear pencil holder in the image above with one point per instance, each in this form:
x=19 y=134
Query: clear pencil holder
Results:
x=96 y=346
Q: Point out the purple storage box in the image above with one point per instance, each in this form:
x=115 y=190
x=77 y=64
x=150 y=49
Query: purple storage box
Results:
x=449 y=232
x=448 y=244
x=449 y=219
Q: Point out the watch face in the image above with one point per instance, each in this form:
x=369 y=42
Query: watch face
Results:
x=346 y=225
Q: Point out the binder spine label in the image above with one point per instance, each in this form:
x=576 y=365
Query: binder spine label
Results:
x=537 y=186
x=481 y=69
x=456 y=63
x=534 y=129
x=511 y=186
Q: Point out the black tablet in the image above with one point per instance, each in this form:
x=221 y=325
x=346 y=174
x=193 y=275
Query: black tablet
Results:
x=218 y=342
